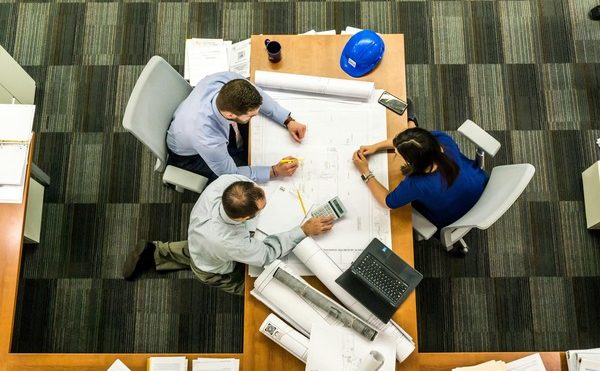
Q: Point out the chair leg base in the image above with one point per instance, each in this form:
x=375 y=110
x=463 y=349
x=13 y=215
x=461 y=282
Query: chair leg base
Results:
x=461 y=250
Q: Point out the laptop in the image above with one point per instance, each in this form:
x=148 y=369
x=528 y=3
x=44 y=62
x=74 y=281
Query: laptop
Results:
x=380 y=280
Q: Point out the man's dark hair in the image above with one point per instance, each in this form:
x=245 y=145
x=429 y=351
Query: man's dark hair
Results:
x=238 y=97
x=240 y=198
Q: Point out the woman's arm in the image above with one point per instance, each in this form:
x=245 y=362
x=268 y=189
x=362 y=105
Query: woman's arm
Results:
x=376 y=188
x=384 y=145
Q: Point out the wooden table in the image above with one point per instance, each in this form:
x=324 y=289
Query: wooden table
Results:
x=259 y=353
x=320 y=56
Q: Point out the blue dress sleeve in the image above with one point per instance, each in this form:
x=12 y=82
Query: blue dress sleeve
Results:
x=406 y=192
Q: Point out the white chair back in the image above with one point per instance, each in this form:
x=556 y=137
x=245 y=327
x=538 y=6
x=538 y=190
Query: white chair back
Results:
x=505 y=185
x=157 y=93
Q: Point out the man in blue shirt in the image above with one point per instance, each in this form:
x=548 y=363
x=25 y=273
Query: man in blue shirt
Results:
x=209 y=131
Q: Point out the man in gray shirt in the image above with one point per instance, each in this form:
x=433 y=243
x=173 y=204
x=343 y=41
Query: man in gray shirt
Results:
x=221 y=237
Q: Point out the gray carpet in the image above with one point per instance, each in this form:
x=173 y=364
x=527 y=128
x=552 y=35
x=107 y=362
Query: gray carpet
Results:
x=528 y=71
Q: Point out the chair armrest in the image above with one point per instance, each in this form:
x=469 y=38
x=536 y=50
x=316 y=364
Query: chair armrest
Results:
x=184 y=179
x=422 y=226
x=479 y=137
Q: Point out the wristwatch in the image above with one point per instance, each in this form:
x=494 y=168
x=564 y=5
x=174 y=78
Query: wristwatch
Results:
x=288 y=120
x=366 y=176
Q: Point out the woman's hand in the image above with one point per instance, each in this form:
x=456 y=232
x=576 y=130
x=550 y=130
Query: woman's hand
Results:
x=361 y=162
x=368 y=150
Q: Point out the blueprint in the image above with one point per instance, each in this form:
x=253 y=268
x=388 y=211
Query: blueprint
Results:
x=335 y=129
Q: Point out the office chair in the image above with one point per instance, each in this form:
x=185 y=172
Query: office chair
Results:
x=505 y=185
x=156 y=95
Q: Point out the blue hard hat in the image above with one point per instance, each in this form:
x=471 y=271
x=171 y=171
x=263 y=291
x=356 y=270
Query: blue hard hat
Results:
x=362 y=53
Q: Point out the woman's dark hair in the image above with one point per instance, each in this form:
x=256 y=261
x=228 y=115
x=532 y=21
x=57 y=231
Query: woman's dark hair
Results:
x=239 y=199
x=239 y=97
x=421 y=151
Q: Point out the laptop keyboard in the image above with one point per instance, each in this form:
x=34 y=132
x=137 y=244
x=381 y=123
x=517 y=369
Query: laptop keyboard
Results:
x=372 y=272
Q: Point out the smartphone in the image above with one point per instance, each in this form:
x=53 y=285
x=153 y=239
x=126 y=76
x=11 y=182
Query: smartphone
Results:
x=393 y=103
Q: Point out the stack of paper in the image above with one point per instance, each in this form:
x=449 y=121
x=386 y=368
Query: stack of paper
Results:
x=215 y=364
x=584 y=359
x=207 y=56
x=16 y=122
x=167 y=364
x=529 y=363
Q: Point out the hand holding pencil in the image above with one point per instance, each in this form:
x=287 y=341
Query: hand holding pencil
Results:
x=287 y=166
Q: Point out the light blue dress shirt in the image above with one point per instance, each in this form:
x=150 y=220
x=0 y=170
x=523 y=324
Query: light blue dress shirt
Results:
x=216 y=242
x=199 y=128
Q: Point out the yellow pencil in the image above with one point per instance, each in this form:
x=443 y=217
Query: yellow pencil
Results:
x=301 y=202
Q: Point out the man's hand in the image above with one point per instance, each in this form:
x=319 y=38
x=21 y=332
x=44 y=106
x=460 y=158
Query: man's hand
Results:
x=317 y=226
x=361 y=162
x=286 y=166
x=297 y=130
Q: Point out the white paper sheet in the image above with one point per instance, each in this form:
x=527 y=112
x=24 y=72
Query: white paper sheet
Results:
x=351 y=30
x=334 y=348
x=13 y=161
x=571 y=356
x=334 y=131
x=239 y=58
x=282 y=212
x=197 y=43
x=118 y=365
x=327 y=32
x=215 y=364
x=16 y=122
x=167 y=364
x=529 y=363
x=204 y=57
x=285 y=336
x=486 y=366
x=589 y=365
x=314 y=84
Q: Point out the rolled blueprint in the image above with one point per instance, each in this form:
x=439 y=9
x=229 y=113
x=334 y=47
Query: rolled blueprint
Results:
x=372 y=362
x=314 y=84
x=282 y=300
x=285 y=336
x=311 y=255
x=304 y=290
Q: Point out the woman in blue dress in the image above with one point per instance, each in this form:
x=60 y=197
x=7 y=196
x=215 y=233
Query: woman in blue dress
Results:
x=439 y=181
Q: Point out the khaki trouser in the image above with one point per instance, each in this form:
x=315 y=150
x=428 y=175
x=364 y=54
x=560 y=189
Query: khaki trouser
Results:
x=175 y=255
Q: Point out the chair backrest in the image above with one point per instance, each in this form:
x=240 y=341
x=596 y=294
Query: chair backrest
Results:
x=156 y=95
x=505 y=185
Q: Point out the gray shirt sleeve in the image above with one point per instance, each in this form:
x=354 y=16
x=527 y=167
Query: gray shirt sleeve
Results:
x=260 y=253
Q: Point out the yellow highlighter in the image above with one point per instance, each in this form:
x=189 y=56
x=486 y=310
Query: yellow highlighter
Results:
x=291 y=160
